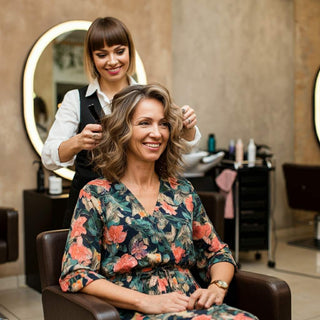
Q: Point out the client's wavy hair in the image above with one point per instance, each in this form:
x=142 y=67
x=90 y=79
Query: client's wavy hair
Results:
x=110 y=155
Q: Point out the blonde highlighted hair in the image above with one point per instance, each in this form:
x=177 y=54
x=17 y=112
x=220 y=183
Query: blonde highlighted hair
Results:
x=110 y=155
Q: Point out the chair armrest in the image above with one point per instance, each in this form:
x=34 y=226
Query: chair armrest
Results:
x=9 y=232
x=267 y=297
x=75 y=306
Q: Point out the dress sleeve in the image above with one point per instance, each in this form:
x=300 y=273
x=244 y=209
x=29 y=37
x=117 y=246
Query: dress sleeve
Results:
x=208 y=246
x=194 y=143
x=82 y=255
x=64 y=127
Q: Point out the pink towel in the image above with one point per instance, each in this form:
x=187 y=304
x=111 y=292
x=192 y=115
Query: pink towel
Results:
x=225 y=181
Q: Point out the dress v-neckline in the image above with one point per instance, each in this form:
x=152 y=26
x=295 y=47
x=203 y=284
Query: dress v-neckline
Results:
x=140 y=203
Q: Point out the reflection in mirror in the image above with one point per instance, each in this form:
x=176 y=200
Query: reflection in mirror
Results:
x=59 y=69
x=316 y=113
x=53 y=67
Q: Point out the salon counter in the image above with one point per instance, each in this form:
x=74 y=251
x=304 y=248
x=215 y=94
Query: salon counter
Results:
x=42 y=212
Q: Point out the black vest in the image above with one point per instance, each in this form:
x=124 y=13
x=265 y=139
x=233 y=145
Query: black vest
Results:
x=83 y=165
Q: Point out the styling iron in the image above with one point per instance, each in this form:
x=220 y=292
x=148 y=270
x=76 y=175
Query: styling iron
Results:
x=94 y=113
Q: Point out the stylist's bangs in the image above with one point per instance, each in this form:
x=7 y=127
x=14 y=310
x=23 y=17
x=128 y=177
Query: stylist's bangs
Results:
x=108 y=34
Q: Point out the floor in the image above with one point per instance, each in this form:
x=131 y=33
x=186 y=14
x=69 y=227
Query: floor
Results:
x=298 y=266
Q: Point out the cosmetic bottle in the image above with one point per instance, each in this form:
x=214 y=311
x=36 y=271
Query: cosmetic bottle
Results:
x=211 y=143
x=231 y=149
x=55 y=185
x=40 y=177
x=317 y=229
x=251 y=153
x=239 y=152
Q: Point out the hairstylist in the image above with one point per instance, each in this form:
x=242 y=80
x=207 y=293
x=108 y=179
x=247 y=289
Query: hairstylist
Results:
x=110 y=63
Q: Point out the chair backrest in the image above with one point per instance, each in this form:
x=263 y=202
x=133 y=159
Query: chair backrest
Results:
x=214 y=204
x=302 y=185
x=50 y=248
x=9 y=235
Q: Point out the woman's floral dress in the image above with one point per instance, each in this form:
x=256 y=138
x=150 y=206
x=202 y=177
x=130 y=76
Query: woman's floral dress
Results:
x=113 y=237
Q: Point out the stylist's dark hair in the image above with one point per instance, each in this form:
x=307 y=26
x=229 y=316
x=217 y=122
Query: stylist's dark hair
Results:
x=110 y=156
x=107 y=31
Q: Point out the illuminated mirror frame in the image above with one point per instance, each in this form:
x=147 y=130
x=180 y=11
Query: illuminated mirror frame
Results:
x=28 y=82
x=316 y=111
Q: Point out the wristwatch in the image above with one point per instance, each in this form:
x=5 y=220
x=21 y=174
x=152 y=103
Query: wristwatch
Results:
x=220 y=283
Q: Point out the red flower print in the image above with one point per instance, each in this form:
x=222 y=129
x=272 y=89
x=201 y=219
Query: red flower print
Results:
x=125 y=264
x=102 y=183
x=168 y=209
x=216 y=245
x=114 y=234
x=163 y=283
x=79 y=252
x=84 y=194
x=241 y=316
x=77 y=228
x=200 y=231
x=178 y=253
x=202 y=317
x=173 y=183
x=142 y=214
x=64 y=283
x=189 y=203
x=139 y=250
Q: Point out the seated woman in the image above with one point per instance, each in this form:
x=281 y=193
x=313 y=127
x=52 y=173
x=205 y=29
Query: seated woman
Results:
x=137 y=232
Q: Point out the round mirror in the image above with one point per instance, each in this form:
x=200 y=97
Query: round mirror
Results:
x=316 y=111
x=53 y=67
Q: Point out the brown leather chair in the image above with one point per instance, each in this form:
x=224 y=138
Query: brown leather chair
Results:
x=267 y=297
x=9 y=248
x=214 y=203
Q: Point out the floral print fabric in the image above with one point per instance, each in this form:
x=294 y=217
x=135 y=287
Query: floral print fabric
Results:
x=113 y=237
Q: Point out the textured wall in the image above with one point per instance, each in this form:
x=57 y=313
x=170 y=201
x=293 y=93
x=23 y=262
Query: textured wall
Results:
x=234 y=62
x=21 y=23
x=307 y=13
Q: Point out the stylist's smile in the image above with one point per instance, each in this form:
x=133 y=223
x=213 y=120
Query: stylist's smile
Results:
x=114 y=70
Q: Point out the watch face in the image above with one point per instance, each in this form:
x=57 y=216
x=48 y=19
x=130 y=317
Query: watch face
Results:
x=222 y=284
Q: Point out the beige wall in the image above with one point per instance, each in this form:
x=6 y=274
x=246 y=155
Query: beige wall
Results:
x=307 y=54
x=234 y=61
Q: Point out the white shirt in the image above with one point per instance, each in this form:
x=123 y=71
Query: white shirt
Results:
x=67 y=121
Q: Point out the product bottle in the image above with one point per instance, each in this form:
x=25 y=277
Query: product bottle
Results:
x=239 y=152
x=231 y=149
x=55 y=185
x=317 y=228
x=211 y=143
x=251 y=153
x=40 y=177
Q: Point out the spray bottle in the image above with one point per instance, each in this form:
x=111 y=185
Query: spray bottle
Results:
x=40 y=177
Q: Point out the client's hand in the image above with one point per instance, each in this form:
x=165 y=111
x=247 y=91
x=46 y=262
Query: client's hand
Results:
x=189 y=121
x=164 y=303
x=205 y=298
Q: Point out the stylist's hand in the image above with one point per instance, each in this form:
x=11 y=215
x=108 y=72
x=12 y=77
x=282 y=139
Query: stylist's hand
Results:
x=205 y=298
x=90 y=136
x=189 y=121
x=164 y=303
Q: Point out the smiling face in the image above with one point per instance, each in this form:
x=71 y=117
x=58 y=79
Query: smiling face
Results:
x=112 y=63
x=150 y=132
